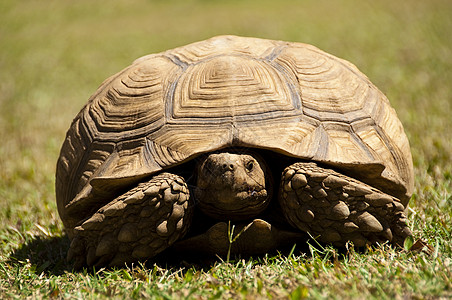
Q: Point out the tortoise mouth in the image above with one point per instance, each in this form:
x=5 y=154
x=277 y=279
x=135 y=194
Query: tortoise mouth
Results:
x=251 y=193
x=239 y=205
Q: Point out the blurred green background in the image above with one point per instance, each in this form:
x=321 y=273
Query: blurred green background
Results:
x=54 y=54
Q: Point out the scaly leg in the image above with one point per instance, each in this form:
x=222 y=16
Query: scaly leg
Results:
x=336 y=208
x=137 y=225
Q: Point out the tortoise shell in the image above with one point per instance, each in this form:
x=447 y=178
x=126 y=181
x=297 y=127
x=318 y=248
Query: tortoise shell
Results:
x=229 y=91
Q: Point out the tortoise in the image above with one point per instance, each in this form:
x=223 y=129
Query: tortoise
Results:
x=273 y=139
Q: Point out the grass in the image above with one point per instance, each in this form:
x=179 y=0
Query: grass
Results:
x=54 y=54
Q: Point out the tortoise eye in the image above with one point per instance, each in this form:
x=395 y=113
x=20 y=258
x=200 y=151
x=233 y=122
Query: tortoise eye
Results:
x=249 y=165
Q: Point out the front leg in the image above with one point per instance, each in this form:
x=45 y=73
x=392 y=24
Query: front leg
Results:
x=336 y=208
x=137 y=225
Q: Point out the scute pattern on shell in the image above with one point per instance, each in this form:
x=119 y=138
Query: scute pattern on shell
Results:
x=229 y=91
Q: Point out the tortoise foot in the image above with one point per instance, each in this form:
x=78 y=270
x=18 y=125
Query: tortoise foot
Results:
x=254 y=238
x=336 y=208
x=135 y=226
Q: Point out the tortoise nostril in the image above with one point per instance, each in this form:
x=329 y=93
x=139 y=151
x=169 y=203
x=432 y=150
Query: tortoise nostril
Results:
x=227 y=167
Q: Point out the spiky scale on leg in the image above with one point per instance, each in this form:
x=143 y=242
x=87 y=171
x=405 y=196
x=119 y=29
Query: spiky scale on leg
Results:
x=338 y=208
x=136 y=225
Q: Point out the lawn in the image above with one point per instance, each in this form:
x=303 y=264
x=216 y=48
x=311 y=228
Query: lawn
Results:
x=53 y=56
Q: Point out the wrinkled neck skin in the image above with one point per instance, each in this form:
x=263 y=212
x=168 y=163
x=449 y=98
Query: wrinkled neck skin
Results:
x=233 y=186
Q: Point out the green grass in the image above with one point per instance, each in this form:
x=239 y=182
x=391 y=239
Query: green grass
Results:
x=54 y=54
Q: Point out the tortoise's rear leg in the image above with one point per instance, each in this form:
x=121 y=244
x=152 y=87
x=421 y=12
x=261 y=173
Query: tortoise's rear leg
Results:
x=136 y=225
x=336 y=208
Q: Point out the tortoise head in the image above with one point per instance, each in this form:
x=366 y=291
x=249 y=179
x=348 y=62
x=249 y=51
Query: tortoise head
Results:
x=233 y=186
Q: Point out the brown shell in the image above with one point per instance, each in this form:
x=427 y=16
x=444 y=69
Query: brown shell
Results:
x=169 y=107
